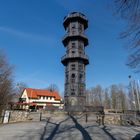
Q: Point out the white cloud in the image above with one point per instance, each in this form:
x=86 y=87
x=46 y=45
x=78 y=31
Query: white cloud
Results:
x=27 y=35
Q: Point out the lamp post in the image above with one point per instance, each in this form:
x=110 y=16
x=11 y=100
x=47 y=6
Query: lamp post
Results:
x=132 y=91
x=137 y=94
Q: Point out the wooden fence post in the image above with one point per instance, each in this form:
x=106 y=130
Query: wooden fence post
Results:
x=40 y=116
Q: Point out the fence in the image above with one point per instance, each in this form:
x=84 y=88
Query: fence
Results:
x=20 y=116
x=93 y=117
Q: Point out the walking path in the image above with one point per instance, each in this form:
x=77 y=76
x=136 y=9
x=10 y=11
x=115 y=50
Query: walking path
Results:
x=66 y=128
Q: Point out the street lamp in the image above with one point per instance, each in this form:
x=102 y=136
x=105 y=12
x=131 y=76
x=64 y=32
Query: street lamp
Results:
x=137 y=95
x=132 y=90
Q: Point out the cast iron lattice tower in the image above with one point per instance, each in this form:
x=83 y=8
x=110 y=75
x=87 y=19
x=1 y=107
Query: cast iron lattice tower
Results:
x=75 y=61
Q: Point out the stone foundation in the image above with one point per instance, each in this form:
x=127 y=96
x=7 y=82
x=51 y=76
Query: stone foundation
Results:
x=112 y=119
x=18 y=116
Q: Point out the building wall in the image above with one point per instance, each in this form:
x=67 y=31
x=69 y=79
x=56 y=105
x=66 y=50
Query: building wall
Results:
x=24 y=95
x=41 y=101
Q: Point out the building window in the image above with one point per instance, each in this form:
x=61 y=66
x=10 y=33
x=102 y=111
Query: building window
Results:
x=73 y=75
x=73 y=25
x=50 y=98
x=72 y=92
x=80 y=77
x=73 y=67
x=73 y=52
x=43 y=97
x=80 y=28
x=73 y=44
x=80 y=52
x=66 y=77
x=80 y=47
x=73 y=78
x=80 y=66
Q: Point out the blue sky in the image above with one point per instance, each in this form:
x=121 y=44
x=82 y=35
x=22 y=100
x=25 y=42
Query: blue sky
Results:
x=31 y=34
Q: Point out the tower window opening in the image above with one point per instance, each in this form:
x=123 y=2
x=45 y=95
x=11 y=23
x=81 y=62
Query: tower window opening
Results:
x=80 y=46
x=73 y=52
x=73 y=67
x=81 y=78
x=80 y=66
x=72 y=91
x=66 y=78
x=73 y=25
x=73 y=75
x=73 y=44
x=73 y=78
x=80 y=28
x=80 y=52
x=81 y=91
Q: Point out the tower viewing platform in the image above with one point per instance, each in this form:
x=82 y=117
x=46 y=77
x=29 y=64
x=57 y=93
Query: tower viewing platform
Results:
x=75 y=16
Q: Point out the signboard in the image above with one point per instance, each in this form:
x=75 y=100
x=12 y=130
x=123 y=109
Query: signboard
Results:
x=6 y=116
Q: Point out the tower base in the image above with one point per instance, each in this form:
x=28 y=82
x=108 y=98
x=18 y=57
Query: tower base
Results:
x=75 y=104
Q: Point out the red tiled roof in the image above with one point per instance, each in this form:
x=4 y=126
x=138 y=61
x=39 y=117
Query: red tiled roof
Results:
x=34 y=93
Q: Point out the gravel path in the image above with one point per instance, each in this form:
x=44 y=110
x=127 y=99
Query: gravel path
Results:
x=22 y=131
x=66 y=128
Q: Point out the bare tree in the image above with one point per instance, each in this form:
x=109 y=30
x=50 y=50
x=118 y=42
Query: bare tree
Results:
x=107 y=100
x=114 y=91
x=96 y=96
x=122 y=99
x=6 y=82
x=115 y=97
x=20 y=86
x=53 y=87
x=129 y=10
x=18 y=89
x=88 y=97
x=118 y=97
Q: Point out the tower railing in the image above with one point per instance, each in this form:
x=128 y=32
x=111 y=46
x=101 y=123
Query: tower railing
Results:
x=66 y=56
x=72 y=34
x=75 y=14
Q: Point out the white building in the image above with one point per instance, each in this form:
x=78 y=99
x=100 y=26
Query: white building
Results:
x=40 y=99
